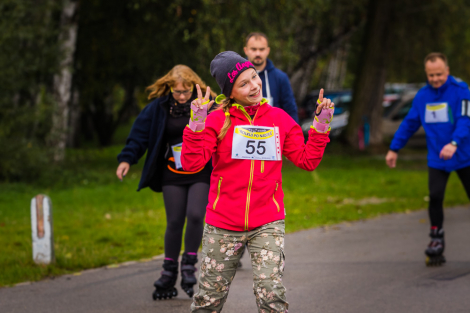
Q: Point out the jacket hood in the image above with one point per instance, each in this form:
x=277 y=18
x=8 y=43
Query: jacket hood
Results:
x=437 y=92
x=269 y=65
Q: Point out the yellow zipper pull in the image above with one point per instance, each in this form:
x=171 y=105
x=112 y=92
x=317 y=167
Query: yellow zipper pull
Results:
x=274 y=199
x=218 y=192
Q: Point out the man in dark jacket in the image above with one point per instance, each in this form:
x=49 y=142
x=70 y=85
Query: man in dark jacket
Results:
x=276 y=84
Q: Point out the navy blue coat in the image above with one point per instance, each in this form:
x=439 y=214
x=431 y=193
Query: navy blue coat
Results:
x=147 y=134
x=280 y=88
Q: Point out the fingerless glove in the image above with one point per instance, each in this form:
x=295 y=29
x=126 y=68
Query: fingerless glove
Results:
x=321 y=122
x=198 y=117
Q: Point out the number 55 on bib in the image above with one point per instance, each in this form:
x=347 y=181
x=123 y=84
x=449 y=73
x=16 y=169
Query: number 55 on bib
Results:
x=256 y=143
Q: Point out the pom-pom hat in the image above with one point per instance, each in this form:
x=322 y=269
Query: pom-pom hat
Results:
x=225 y=68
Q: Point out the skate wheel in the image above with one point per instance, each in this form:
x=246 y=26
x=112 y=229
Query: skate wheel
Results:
x=155 y=295
x=435 y=261
x=163 y=295
x=190 y=292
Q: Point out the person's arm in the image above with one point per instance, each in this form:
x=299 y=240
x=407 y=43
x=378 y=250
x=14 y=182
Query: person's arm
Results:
x=200 y=136
x=138 y=139
x=462 y=118
x=408 y=127
x=308 y=156
x=462 y=126
x=198 y=148
x=287 y=100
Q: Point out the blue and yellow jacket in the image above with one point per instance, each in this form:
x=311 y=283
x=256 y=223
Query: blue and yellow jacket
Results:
x=444 y=113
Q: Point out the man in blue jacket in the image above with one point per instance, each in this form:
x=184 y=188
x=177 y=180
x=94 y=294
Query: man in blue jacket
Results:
x=442 y=107
x=276 y=84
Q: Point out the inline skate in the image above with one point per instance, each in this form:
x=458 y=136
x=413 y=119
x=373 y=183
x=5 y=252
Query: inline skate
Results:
x=435 y=249
x=165 y=285
x=188 y=279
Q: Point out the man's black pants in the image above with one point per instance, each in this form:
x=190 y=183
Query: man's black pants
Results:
x=437 y=186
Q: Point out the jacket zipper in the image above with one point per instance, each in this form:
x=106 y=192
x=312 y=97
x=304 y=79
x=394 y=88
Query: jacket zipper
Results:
x=275 y=202
x=218 y=193
x=262 y=166
x=248 y=194
x=252 y=169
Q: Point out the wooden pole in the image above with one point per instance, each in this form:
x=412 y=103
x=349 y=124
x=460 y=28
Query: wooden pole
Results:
x=42 y=231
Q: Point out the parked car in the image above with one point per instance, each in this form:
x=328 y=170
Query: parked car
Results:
x=342 y=100
x=394 y=115
x=396 y=107
x=307 y=106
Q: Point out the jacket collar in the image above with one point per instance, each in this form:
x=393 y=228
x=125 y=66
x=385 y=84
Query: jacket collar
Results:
x=163 y=99
x=439 y=91
x=269 y=67
x=238 y=111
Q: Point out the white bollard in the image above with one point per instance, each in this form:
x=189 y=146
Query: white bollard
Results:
x=41 y=226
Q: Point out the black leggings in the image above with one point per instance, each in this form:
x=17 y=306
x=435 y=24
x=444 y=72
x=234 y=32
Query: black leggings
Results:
x=181 y=203
x=437 y=186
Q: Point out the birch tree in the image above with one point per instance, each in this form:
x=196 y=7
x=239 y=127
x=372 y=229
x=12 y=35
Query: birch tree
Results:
x=62 y=83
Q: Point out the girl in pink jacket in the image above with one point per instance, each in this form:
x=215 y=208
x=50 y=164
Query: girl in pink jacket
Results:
x=246 y=139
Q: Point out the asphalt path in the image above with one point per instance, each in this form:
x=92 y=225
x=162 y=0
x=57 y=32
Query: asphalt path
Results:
x=367 y=266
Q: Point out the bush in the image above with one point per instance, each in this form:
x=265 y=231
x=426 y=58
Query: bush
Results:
x=21 y=159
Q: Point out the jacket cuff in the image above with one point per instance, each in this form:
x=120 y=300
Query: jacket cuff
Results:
x=457 y=141
x=127 y=160
x=321 y=128
x=314 y=132
x=196 y=127
x=393 y=147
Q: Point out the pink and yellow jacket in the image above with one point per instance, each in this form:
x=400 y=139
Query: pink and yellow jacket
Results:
x=245 y=194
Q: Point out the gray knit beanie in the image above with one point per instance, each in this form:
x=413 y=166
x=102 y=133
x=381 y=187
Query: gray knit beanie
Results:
x=226 y=67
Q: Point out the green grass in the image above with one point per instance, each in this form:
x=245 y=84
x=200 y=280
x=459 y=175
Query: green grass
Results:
x=99 y=220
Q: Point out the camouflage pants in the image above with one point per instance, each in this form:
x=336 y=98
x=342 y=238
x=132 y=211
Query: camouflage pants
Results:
x=221 y=252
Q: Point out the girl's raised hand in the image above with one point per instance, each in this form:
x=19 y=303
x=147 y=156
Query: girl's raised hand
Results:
x=323 y=103
x=199 y=108
x=200 y=101
x=323 y=114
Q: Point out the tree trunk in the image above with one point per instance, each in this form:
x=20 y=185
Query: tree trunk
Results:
x=62 y=85
x=337 y=69
x=74 y=120
x=369 y=84
x=104 y=121
x=332 y=72
x=301 y=78
x=102 y=117
x=344 y=66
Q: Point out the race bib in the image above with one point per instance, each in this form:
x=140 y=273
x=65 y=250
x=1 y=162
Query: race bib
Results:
x=436 y=113
x=176 y=149
x=256 y=143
